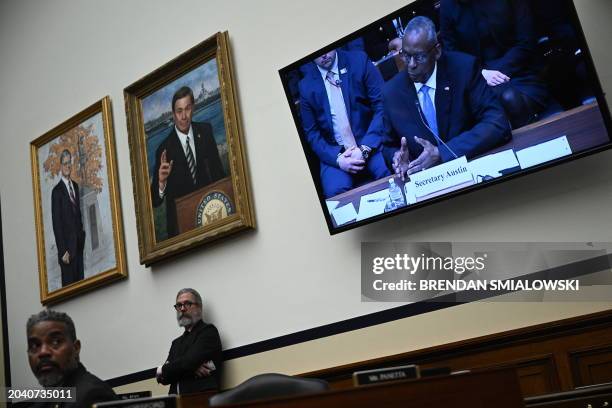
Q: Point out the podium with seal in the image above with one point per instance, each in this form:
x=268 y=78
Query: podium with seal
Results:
x=206 y=206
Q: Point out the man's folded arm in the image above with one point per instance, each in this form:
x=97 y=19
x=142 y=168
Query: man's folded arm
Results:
x=206 y=347
x=325 y=151
x=376 y=129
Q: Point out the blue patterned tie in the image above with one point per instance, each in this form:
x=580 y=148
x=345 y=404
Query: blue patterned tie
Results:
x=428 y=110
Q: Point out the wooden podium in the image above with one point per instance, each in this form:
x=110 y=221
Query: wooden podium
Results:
x=205 y=206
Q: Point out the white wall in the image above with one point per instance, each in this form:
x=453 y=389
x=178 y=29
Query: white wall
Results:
x=57 y=57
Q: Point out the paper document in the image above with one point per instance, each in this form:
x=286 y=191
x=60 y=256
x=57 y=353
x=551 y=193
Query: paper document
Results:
x=446 y=175
x=492 y=165
x=543 y=152
x=331 y=205
x=344 y=214
x=373 y=204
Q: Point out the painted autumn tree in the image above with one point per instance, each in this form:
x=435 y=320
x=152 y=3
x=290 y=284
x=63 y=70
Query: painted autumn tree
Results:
x=86 y=154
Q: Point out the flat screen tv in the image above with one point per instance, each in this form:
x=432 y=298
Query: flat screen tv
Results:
x=441 y=98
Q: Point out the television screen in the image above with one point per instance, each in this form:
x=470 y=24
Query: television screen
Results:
x=441 y=98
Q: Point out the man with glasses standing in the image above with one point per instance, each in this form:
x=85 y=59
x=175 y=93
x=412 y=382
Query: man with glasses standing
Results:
x=439 y=108
x=194 y=360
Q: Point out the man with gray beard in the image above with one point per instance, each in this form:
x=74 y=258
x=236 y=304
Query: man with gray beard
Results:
x=53 y=352
x=194 y=360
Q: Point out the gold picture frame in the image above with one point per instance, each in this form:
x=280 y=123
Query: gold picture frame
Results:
x=186 y=111
x=77 y=209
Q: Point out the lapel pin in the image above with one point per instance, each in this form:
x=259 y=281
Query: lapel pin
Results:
x=343 y=71
x=447 y=88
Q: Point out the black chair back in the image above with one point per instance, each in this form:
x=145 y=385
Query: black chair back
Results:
x=266 y=386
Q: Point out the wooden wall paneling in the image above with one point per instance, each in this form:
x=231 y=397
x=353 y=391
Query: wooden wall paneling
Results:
x=551 y=357
x=592 y=365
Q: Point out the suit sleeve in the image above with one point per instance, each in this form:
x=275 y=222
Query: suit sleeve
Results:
x=206 y=347
x=58 y=224
x=518 y=57
x=163 y=380
x=448 y=32
x=81 y=230
x=155 y=198
x=392 y=141
x=374 y=82
x=491 y=124
x=325 y=151
x=216 y=167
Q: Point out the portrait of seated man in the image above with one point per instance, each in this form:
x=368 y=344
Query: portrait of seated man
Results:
x=439 y=108
x=342 y=116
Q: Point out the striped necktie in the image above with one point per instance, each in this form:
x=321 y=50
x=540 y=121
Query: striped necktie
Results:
x=191 y=162
x=71 y=193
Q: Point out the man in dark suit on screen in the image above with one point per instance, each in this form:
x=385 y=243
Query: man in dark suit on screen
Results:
x=342 y=117
x=67 y=223
x=188 y=159
x=439 y=108
x=501 y=34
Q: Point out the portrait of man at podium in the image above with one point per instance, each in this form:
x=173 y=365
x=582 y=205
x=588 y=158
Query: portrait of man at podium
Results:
x=187 y=153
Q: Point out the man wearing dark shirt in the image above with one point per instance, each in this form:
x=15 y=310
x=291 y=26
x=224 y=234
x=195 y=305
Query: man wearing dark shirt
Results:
x=194 y=360
x=53 y=353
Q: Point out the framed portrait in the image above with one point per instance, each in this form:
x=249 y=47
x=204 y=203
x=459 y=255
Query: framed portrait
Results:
x=79 y=231
x=189 y=172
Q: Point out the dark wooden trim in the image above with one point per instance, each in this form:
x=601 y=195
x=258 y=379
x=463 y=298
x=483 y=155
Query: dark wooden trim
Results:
x=551 y=337
x=603 y=389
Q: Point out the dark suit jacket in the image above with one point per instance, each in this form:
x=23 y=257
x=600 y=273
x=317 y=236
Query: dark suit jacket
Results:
x=470 y=117
x=361 y=89
x=89 y=390
x=500 y=34
x=67 y=221
x=208 y=169
x=187 y=353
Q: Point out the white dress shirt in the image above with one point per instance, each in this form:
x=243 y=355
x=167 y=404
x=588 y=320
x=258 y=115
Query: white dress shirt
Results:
x=68 y=183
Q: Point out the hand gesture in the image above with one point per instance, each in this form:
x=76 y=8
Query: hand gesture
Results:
x=205 y=369
x=355 y=153
x=350 y=161
x=429 y=157
x=401 y=159
x=165 y=168
x=66 y=258
x=494 y=78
